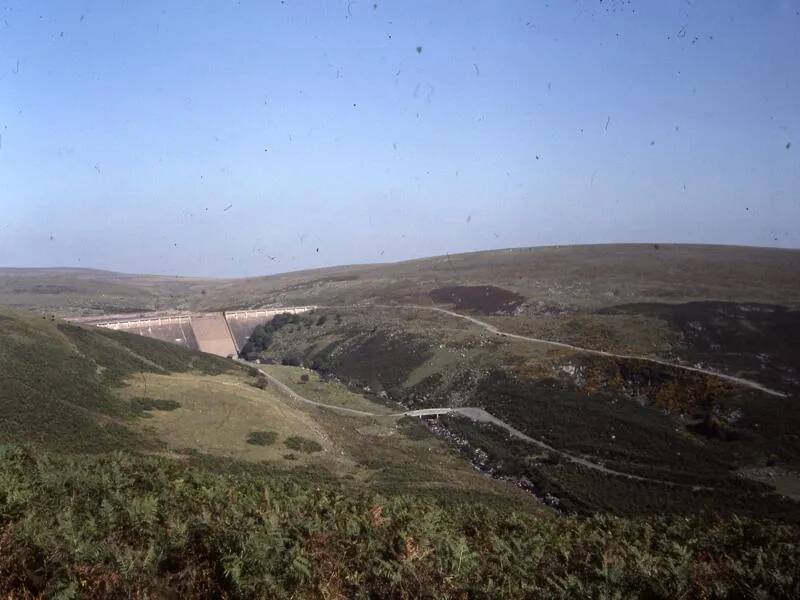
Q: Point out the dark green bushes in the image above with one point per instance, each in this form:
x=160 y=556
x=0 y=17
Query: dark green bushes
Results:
x=261 y=337
x=144 y=405
x=261 y=382
x=585 y=491
x=262 y=438
x=290 y=361
x=302 y=444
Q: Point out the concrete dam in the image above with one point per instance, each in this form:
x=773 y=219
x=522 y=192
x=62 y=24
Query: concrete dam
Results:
x=221 y=333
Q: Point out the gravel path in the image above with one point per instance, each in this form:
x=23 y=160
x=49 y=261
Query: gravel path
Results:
x=494 y=330
x=477 y=415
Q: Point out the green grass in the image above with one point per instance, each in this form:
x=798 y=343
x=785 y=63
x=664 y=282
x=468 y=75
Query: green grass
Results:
x=217 y=413
x=407 y=519
x=52 y=396
x=122 y=354
x=112 y=356
x=59 y=383
x=327 y=391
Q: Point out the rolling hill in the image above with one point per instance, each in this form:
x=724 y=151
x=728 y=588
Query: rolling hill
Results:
x=131 y=467
x=643 y=437
x=550 y=278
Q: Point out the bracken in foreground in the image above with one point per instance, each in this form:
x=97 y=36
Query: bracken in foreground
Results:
x=120 y=525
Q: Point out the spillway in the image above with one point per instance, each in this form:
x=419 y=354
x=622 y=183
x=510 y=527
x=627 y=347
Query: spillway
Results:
x=212 y=334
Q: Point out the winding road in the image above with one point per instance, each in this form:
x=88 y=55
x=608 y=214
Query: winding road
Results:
x=481 y=415
x=494 y=330
x=475 y=414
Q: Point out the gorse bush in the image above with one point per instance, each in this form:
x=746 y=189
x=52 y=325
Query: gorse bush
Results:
x=302 y=444
x=261 y=337
x=262 y=438
x=144 y=405
x=261 y=382
x=125 y=526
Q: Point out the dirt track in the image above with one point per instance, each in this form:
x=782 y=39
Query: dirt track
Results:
x=475 y=414
x=492 y=329
x=481 y=415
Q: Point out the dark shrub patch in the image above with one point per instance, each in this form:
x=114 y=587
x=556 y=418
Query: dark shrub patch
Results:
x=262 y=438
x=375 y=359
x=261 y=382
x=143 y=405
x=302 y=444
x=483 y=299
x=261 y=337
x=413 y=428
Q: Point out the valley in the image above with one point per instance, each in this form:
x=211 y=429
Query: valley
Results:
x=437 y=397
x=378 y=300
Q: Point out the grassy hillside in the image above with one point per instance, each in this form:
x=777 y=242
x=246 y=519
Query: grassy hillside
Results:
x=83 y=390
x=691 y=432
x=58 y=382
x=551 y=279
x=134 y=468
x=78 y=292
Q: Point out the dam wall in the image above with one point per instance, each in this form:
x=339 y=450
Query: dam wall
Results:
x=175 y=329
x=220 y=333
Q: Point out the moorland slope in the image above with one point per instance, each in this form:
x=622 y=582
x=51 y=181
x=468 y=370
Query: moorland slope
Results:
x=120 y=477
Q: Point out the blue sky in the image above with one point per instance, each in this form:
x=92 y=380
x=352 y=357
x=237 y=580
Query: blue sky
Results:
x=204 y=138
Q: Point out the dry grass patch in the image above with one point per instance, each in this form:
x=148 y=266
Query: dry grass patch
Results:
x=218 y=413
x=326 y=392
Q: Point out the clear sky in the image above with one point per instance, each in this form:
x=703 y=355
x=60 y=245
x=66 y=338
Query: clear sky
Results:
x=203 y=138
